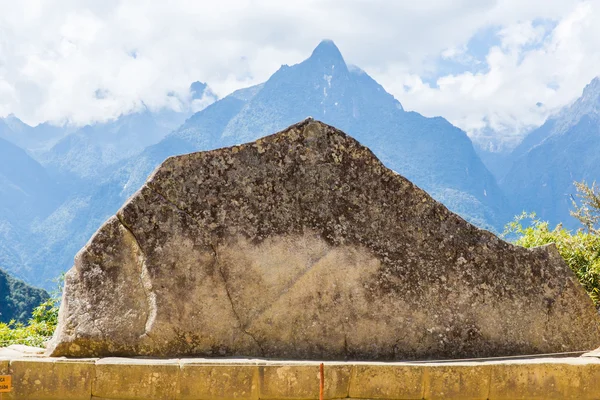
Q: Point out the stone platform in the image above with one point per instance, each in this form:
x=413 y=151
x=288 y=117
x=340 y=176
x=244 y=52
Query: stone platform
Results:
x=42 y=378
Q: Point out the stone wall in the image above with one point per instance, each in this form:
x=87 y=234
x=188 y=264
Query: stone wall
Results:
x=137 y=379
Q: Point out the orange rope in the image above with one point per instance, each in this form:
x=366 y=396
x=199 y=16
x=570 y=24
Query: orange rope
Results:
x=322 y=381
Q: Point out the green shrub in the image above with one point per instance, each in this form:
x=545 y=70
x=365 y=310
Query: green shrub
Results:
x=39 y=329
x=581 y=249
x=40 y=326
x=586 y=206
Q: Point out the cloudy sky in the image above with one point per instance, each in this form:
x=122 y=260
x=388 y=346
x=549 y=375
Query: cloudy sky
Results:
x=492 y=67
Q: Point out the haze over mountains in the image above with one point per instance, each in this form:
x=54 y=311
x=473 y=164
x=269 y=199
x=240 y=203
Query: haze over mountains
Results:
x=60 y=183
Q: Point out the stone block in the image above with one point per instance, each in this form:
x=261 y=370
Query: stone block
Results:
x=301 y=381
x=573 y=379
x=218 y=381
x=4 y=370
x=458 y=381
x=4 y=365
x=391 y=381
x=136 y=379
x=51 y=379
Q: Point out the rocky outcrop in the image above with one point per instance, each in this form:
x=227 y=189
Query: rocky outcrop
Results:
x=303 y=245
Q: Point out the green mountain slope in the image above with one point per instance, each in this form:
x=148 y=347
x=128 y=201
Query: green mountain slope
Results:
x=17 y=299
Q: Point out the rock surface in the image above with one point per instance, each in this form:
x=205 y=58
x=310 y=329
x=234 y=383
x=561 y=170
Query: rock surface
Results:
x=303 y=245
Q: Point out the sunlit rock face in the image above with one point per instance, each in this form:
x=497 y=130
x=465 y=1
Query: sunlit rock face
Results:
x=303 y=245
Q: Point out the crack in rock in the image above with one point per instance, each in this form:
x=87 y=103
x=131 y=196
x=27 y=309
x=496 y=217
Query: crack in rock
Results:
x=215 y=265
x=235 y=313
x=145 y=281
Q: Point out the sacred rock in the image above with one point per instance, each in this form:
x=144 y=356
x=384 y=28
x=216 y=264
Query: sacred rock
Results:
x=303 y=245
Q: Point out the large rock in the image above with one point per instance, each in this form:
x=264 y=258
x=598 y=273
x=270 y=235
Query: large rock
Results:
x=303 y=245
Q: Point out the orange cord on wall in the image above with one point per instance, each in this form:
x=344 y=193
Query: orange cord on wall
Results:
x=322 y=381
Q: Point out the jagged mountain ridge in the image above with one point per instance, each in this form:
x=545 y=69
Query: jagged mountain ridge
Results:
x=564 y=149
x=35 y=140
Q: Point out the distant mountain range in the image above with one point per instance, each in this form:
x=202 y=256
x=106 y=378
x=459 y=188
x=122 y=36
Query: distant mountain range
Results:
x=52 y=182
x=543 y=167
x=73 y=179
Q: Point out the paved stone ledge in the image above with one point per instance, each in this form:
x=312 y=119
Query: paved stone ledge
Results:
x=190 y=379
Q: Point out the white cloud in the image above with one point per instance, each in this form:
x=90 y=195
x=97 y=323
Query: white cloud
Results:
x=84 y=60
x=514 y=37
x=530 y=75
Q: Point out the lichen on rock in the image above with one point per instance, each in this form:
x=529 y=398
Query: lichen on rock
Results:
x=304 y=245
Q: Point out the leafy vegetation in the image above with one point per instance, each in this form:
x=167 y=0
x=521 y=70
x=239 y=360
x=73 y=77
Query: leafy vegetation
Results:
x=40 y=326
x=587 y=209
x=580 y=249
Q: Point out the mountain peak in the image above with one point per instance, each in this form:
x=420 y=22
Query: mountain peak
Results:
x=592 y=89
x=328 y=54
x=587 y=104
x=197 y=89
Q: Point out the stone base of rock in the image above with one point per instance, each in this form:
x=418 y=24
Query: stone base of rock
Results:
x=143 y=379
